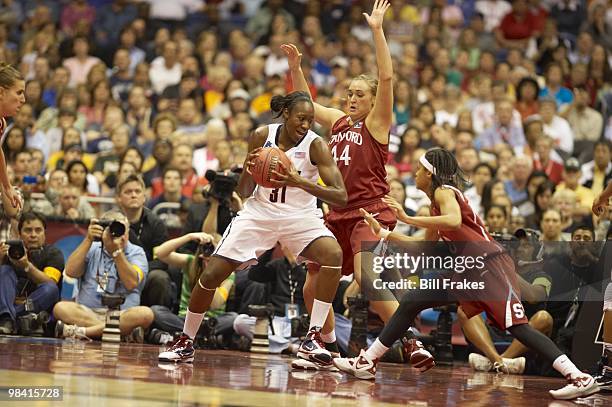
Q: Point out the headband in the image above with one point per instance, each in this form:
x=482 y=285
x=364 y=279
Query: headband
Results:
x=427 y=164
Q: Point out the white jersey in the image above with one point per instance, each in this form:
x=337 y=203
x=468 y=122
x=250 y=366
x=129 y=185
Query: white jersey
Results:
x=288 y=201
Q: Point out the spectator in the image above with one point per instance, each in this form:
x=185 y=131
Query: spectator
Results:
x=517 y=27
x=586 y=123
x=107 y=163
x=571 y=178
x=166 y=69
x=182 y=159
x=172 y=182
x=483 y=173
x=504 y=131
x=72 y=205
x=551 y=227
x=597 y=173
x=148 y=232
x=554 y=87
x=79 y=176
x=544 y=159
x=496 y=219
x=81 y=63
x=541 y=202
x=517 y=187
x=527 y=92
x=34 y=276
x=568 y=14
x=77 y=12
x=124 y=269
x=154 y=166
x=556 y=127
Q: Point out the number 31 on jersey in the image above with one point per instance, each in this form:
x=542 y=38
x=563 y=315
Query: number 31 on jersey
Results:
x=345 y=157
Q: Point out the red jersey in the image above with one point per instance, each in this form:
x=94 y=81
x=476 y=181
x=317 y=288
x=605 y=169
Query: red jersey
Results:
x=472 y=227
x=361 y=161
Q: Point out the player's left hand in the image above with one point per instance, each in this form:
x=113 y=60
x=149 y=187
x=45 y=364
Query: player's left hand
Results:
x=250 y=160
x=375 y=20
x=12 y=197
x=599 y=206
x=289 y=177
x=371 y=221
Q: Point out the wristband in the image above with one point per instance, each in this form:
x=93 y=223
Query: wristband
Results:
x=384 y=233
x=116 y=253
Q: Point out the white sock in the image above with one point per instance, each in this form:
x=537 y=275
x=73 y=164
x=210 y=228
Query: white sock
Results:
x=329 y=338
x=376 y=350
x=320 y=310
x=565 y=366
x=192 y=323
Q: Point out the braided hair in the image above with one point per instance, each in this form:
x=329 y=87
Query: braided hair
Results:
x=280 y=103
x=447 y=170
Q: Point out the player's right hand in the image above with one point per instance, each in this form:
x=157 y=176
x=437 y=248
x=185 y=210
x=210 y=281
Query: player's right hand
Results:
x=395 y=206
x=250 y=160
x=294 y=56
x=94 y=231
x=371 y=221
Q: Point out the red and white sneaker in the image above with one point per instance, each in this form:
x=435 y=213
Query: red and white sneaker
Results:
x=180 y=350
x=578 y=387
x=361 y=367
x=420 y=358
x=313 y=349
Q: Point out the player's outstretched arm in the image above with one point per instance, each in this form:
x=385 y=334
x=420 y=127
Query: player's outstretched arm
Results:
x=325 y=116
x=383 y=233
x=380 y=118
x=246 y=184
x=602 y=200
x=450 y=218
x=333 y=192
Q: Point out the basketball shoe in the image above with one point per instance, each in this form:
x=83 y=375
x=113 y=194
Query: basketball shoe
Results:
x=577 y=387
x=420 y=358
x=313 y=348
x=180 y=350
x=361 y=366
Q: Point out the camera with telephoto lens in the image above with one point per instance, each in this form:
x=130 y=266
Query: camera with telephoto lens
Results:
x=206 y=337
x=16 y=249
x=116 y=228
x=299 y=326
x=206 y=249
x=358 y=307
x=112 y=301
x=222 y=184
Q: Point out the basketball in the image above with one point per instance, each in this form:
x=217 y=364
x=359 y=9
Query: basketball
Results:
x=266 y=162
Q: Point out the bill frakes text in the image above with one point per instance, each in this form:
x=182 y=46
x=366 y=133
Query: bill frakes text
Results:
x=428 y=284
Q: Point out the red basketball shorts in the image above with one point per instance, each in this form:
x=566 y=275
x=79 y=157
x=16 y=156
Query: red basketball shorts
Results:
x=351 y=231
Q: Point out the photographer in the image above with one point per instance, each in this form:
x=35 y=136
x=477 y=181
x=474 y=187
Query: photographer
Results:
x=31 y=272
x=147 y=231
x=106 y=263
x=192 y=266
x=221 y=199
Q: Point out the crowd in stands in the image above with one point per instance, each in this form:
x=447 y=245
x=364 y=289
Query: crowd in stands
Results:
x=135 y=100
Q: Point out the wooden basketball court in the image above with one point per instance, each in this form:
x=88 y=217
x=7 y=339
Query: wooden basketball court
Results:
x=100 y=374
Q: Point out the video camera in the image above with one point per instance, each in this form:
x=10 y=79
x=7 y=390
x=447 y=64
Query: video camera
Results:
x=222 y=184
x=116 y=228
x=16 y=249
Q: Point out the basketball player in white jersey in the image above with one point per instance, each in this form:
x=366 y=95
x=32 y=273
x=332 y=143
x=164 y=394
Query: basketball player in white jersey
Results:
x=287 y=214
